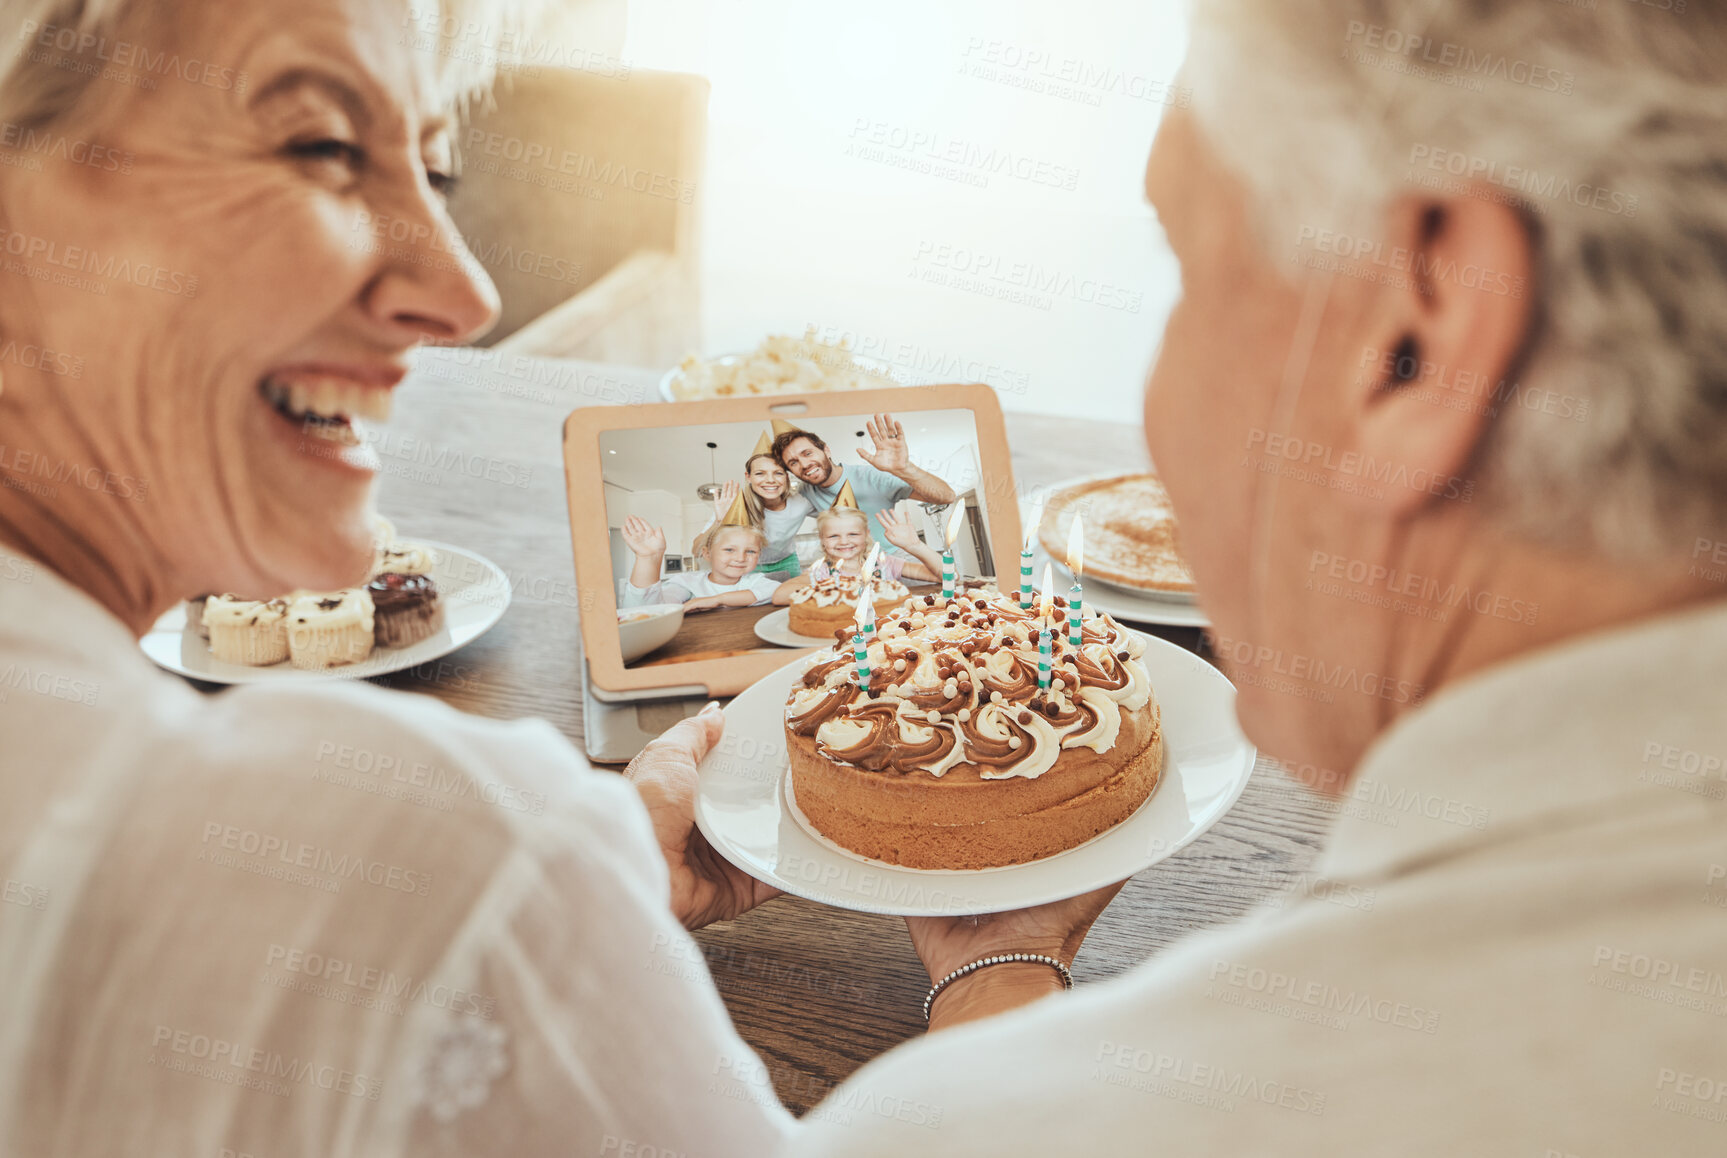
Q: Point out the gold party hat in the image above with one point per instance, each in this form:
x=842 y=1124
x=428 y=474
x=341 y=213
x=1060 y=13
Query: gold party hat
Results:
x=845 y=498
x=764 y=444
x=781 y=426
x=737 y=515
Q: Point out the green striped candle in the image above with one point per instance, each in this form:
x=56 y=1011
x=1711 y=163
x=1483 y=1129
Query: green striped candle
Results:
x=1031 y=524
x=1043 y=635
x=864 y=635
x=1075 y=562
x=947 y=570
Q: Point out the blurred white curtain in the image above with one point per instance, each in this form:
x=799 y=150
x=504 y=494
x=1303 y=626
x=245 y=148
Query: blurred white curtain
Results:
x=954 y=186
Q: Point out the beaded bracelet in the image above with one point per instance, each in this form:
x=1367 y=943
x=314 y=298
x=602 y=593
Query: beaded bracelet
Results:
x=997 y=959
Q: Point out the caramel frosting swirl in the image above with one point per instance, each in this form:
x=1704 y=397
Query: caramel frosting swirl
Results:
x=813 y=708
x=878 y=737
x=955 y=682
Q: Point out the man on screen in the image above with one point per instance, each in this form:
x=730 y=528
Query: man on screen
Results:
x=883 y=479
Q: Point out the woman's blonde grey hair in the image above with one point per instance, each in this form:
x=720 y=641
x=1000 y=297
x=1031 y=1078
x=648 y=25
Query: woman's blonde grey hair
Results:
x=1606 y=126
x=51 y=50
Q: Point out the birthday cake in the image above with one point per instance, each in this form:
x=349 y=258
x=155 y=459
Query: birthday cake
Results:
x=830 y=603
x=949 y=755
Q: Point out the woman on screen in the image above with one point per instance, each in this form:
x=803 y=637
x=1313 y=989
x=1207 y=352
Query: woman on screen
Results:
x=773 y=508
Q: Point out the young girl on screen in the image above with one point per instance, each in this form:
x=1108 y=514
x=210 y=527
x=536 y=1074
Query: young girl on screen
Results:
x=845 y=541
x=731 y=579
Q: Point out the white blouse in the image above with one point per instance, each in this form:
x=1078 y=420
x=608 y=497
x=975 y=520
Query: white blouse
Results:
x=328 y=919
x=319 y=917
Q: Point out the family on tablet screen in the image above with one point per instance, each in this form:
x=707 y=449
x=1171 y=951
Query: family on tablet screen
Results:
x=749 y=549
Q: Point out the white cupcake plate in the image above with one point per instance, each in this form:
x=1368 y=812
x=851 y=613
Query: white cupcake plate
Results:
x=473 y=590
x=775 y=627
x=1122 y=603
x=746 y=814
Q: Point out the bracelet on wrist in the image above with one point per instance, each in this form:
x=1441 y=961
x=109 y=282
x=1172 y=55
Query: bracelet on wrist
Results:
x=995 y=959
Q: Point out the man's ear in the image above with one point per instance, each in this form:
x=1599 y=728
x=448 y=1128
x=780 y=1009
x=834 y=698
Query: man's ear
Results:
x=1461 y=319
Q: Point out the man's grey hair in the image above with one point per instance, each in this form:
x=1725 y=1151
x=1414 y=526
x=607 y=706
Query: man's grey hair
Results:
x=1605 y=124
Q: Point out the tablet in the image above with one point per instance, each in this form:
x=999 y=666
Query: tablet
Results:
x=685 y=583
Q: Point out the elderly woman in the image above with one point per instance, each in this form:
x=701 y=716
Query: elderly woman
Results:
x=1533 y=649
x=207 y=946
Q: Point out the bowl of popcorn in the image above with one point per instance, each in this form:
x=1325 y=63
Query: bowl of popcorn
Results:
x=780 y=365
x=641 y=629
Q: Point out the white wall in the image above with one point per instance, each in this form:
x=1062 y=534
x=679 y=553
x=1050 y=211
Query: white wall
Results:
x=847 y=146
x=662 y=509
x=615 y=498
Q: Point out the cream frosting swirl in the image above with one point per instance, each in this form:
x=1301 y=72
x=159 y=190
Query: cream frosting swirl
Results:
x=834 y=588
x=325 y=609
x=956 y=682
x=231 y=609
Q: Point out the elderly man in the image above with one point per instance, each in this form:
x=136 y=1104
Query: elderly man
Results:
x=1449 y=448
x=881 y=480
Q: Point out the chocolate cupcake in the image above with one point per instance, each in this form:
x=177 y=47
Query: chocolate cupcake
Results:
x=406 y=608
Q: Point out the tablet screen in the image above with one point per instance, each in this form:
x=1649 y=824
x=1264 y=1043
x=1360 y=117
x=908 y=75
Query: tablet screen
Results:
x=730 y=538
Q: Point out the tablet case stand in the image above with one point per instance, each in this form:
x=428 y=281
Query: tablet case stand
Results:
x=616 y=725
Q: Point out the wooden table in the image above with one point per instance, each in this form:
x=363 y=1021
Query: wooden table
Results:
x=712 y=635
x=474 y=458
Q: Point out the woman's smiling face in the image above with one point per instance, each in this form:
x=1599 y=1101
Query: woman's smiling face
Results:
x=767 y=478
x=292 y=207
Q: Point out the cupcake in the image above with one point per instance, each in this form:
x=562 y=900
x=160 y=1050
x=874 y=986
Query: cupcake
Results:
x=406 y=608
x=400 y=558
x=405 y=595
x=330 y=629
x=247 y=631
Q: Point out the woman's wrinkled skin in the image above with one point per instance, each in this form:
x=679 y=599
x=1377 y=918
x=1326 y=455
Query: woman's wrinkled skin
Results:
x=269 y=199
